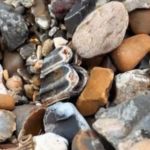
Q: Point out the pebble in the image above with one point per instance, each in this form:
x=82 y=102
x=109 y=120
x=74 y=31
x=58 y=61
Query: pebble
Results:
x=12 y=27
x=86 y=140
x=47 y=47
x=130 y=84
x=59 y=42
x=7 y=124
x=12 y=62
x=97 y=34
x=140 y=21
x=96 y=92
x=50 y=141
x=29 y=90
x=132 y=50
x=53 y=31
x=125 y=124
x=64 y=120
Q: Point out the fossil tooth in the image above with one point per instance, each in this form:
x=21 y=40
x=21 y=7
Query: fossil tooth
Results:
x=55 y=59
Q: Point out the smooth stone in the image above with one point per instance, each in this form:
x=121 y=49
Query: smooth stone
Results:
x=47 y=47
x=7 y=124
x=95 y=35
x=59 y=42
x=12 y=27
x=86 y=140
x=130 y=84
x=140 y=21
x=96 y=91
x=64 y=120
x=125 y=124
x=6 y=102
x=12 y=62
x=132 y=50
x=50 y=141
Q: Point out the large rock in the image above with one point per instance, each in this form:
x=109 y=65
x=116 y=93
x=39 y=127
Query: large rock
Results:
x=126 y=124
x=132 y=50
x=130 y=84
x=64 y=120
x=96 y=91
x=102 y=30
x=140 y=21
x=12 y=27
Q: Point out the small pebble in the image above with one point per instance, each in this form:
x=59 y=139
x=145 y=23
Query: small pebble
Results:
x=59 y=42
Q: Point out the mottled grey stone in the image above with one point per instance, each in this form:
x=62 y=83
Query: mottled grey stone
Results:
x=12 y=27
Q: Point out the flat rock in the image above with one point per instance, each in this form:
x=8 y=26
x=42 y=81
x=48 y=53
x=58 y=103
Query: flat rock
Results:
x=132 y=50
x=7 y=124
x=125 y=124
x=64 y=120
x=96 y=92
x=86 y=140
x=95 y=35
x=140 y=21
x=12 y=26
x=130 y=84
x=50 y=141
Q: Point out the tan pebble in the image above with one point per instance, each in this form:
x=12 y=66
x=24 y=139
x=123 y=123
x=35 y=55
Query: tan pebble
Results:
x=36 y=80
x=6 y=75
x=34 y=40
x=96 y=91
x=47 y=47
x=131 y=52
x=29 y=90
x=39 y=52
x=35 y=94
x=14 y=83
x=38 y=65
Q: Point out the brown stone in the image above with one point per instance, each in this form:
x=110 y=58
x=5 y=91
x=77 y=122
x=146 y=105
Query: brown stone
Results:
x=6 y=102
x=86 y=140
x=96 y=91
x=131 y=52
x=140 y=21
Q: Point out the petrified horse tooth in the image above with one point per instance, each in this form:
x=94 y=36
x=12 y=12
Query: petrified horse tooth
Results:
x=55 y=59
x=59 y=83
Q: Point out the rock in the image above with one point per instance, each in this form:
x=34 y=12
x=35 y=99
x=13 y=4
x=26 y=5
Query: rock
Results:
x=140 y=21
x=59 y=42
x=29 y=90
x=95 y=36
x=64 y=120
x=132 y=50
x=15 y=83
x=50 y=141
x=12 y=27
x=53 y=31
x=47 y=47
x=86 y=140
x=7 y=124
x=130 y=84
x=12 y=62
x=27 y=116
x=27 y=50
x=96 y=92
x=6 y=102
x=145 y=63
x=125 y=124
x=41 y=14
x=77 y=13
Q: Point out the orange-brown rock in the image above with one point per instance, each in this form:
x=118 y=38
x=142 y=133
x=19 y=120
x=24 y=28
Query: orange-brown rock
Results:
x=131 y=52
x=96 y=91
x=6 y=102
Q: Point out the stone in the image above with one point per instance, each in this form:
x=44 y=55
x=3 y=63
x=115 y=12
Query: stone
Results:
x=64 y=119
x=7 y=124
x=95 y=36
x=6 y=102
x=53 y=31
x=59 y=42
x=47 y=47
x=50 y=141
x=130 y=84
x=140 y=21
x=125 y=124
x=41 y=14
x=12 y=27
x=132 y=50
x=96 y=91
x=12 y=62
x=29 y=90
x=145 y=63
x=86 y=140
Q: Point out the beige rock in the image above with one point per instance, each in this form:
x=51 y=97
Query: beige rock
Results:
x=96 y=91
x=29 y=90
x=102 y=31
x=131 y=52
x=47 y=47
x=59 y=42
